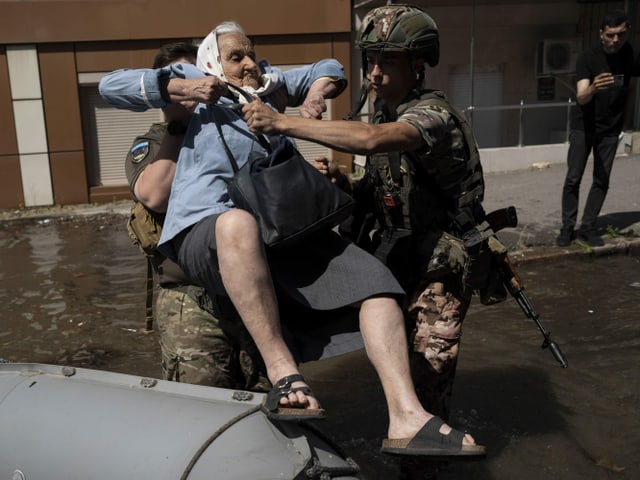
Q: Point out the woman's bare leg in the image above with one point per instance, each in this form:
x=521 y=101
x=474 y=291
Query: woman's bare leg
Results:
x=247 y=279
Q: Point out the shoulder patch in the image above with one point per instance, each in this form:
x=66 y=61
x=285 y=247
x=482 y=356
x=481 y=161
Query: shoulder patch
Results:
x=139 y=151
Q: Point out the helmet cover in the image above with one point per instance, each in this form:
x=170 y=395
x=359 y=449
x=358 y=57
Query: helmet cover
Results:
x=400 y=27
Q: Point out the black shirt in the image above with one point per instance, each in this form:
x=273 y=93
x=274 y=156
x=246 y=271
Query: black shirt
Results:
x=604 y=114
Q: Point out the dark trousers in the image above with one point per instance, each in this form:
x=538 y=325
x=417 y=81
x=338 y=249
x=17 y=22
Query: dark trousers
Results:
x=604 y=152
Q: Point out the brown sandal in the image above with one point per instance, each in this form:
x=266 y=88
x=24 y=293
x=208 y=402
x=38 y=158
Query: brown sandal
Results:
x=282 y=388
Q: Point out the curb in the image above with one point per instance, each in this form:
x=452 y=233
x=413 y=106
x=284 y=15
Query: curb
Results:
x=121 y=208
x=541 y=253
x=616 y=246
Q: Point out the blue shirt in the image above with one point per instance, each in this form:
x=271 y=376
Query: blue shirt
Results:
x=199 y=187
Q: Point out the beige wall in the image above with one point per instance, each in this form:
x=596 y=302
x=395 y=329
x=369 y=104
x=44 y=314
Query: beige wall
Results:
x=24 y=21
x=79 y=37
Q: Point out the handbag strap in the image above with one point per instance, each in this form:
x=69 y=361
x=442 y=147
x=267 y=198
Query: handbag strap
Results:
x=232 y=160
x=261 y=140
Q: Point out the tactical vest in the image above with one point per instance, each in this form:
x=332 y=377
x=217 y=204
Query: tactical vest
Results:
x=425 y=195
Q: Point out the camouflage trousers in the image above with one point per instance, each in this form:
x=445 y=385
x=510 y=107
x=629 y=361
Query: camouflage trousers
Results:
x=197 y=348
x=435 y=314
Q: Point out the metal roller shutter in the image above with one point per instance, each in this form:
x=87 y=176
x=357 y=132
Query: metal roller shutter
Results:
x=311 y=150
x=111 y=132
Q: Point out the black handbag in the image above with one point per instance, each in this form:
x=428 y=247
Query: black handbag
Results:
x=289 y=197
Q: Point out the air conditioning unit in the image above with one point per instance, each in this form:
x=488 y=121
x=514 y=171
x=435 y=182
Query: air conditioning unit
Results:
x=557 y=56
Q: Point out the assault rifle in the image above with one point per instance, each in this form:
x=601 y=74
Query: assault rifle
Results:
x=507 y=218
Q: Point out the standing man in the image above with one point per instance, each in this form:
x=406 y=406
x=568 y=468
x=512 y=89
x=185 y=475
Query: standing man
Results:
x=603 y=73
x=197 y=346
x=422 y=189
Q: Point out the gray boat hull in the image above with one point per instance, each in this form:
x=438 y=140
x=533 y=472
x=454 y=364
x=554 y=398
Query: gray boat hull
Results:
x=72 y=423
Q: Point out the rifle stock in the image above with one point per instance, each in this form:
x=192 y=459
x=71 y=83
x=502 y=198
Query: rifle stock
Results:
x=502 y=218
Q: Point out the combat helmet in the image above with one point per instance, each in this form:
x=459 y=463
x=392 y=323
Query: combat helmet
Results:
x=396 y=28
x=400 y=27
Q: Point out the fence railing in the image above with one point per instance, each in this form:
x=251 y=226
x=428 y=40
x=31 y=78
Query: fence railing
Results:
x=521 y=109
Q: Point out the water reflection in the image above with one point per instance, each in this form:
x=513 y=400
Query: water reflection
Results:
x=73 y=293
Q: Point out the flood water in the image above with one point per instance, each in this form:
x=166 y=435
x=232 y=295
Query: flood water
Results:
x=73 y=293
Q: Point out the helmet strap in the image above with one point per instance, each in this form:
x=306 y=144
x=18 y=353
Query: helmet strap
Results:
x=364 y=94
x=421 y=72
x=364 y=90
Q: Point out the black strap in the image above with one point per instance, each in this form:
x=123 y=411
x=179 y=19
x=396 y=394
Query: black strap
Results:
x=234 y=164
x=259 y=137
x=247 y=96
x=149 y=299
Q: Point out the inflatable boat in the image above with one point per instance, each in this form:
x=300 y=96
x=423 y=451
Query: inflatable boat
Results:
x=64 y=423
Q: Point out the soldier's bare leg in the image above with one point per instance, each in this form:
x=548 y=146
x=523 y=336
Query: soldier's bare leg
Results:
x=382 y=326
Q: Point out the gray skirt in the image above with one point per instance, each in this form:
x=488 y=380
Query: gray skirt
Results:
x=317 y=281
x=323 y=272
x=329 y=272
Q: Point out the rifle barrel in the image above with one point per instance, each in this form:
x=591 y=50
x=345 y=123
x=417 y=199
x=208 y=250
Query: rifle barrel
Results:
x=529 y=311
x=557 y=353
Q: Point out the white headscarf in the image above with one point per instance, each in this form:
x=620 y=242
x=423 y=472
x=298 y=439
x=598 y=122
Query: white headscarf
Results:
x=209 y=61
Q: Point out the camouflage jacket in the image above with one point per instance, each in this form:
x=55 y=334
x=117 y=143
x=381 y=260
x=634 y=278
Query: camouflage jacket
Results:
x=424 y=189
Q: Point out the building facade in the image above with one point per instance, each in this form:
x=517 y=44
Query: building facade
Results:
x=61 y=144
x=497 y=55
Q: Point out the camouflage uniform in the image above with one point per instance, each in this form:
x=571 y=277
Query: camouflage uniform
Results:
x=195 y=349
x=423 y=207
x=196 y=346
x=415 y=196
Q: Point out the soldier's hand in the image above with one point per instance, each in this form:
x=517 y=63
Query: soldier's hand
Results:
x=324 y=165
x=260 y=117
x=331 y=170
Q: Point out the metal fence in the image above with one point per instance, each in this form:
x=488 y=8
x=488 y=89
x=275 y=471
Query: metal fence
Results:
x=522 y=124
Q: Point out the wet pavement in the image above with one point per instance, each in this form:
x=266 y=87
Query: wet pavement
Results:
x=538 y=420
x=73 y=293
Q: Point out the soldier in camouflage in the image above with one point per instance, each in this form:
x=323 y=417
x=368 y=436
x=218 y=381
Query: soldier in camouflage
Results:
x=197 y=346
x=422 y=190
